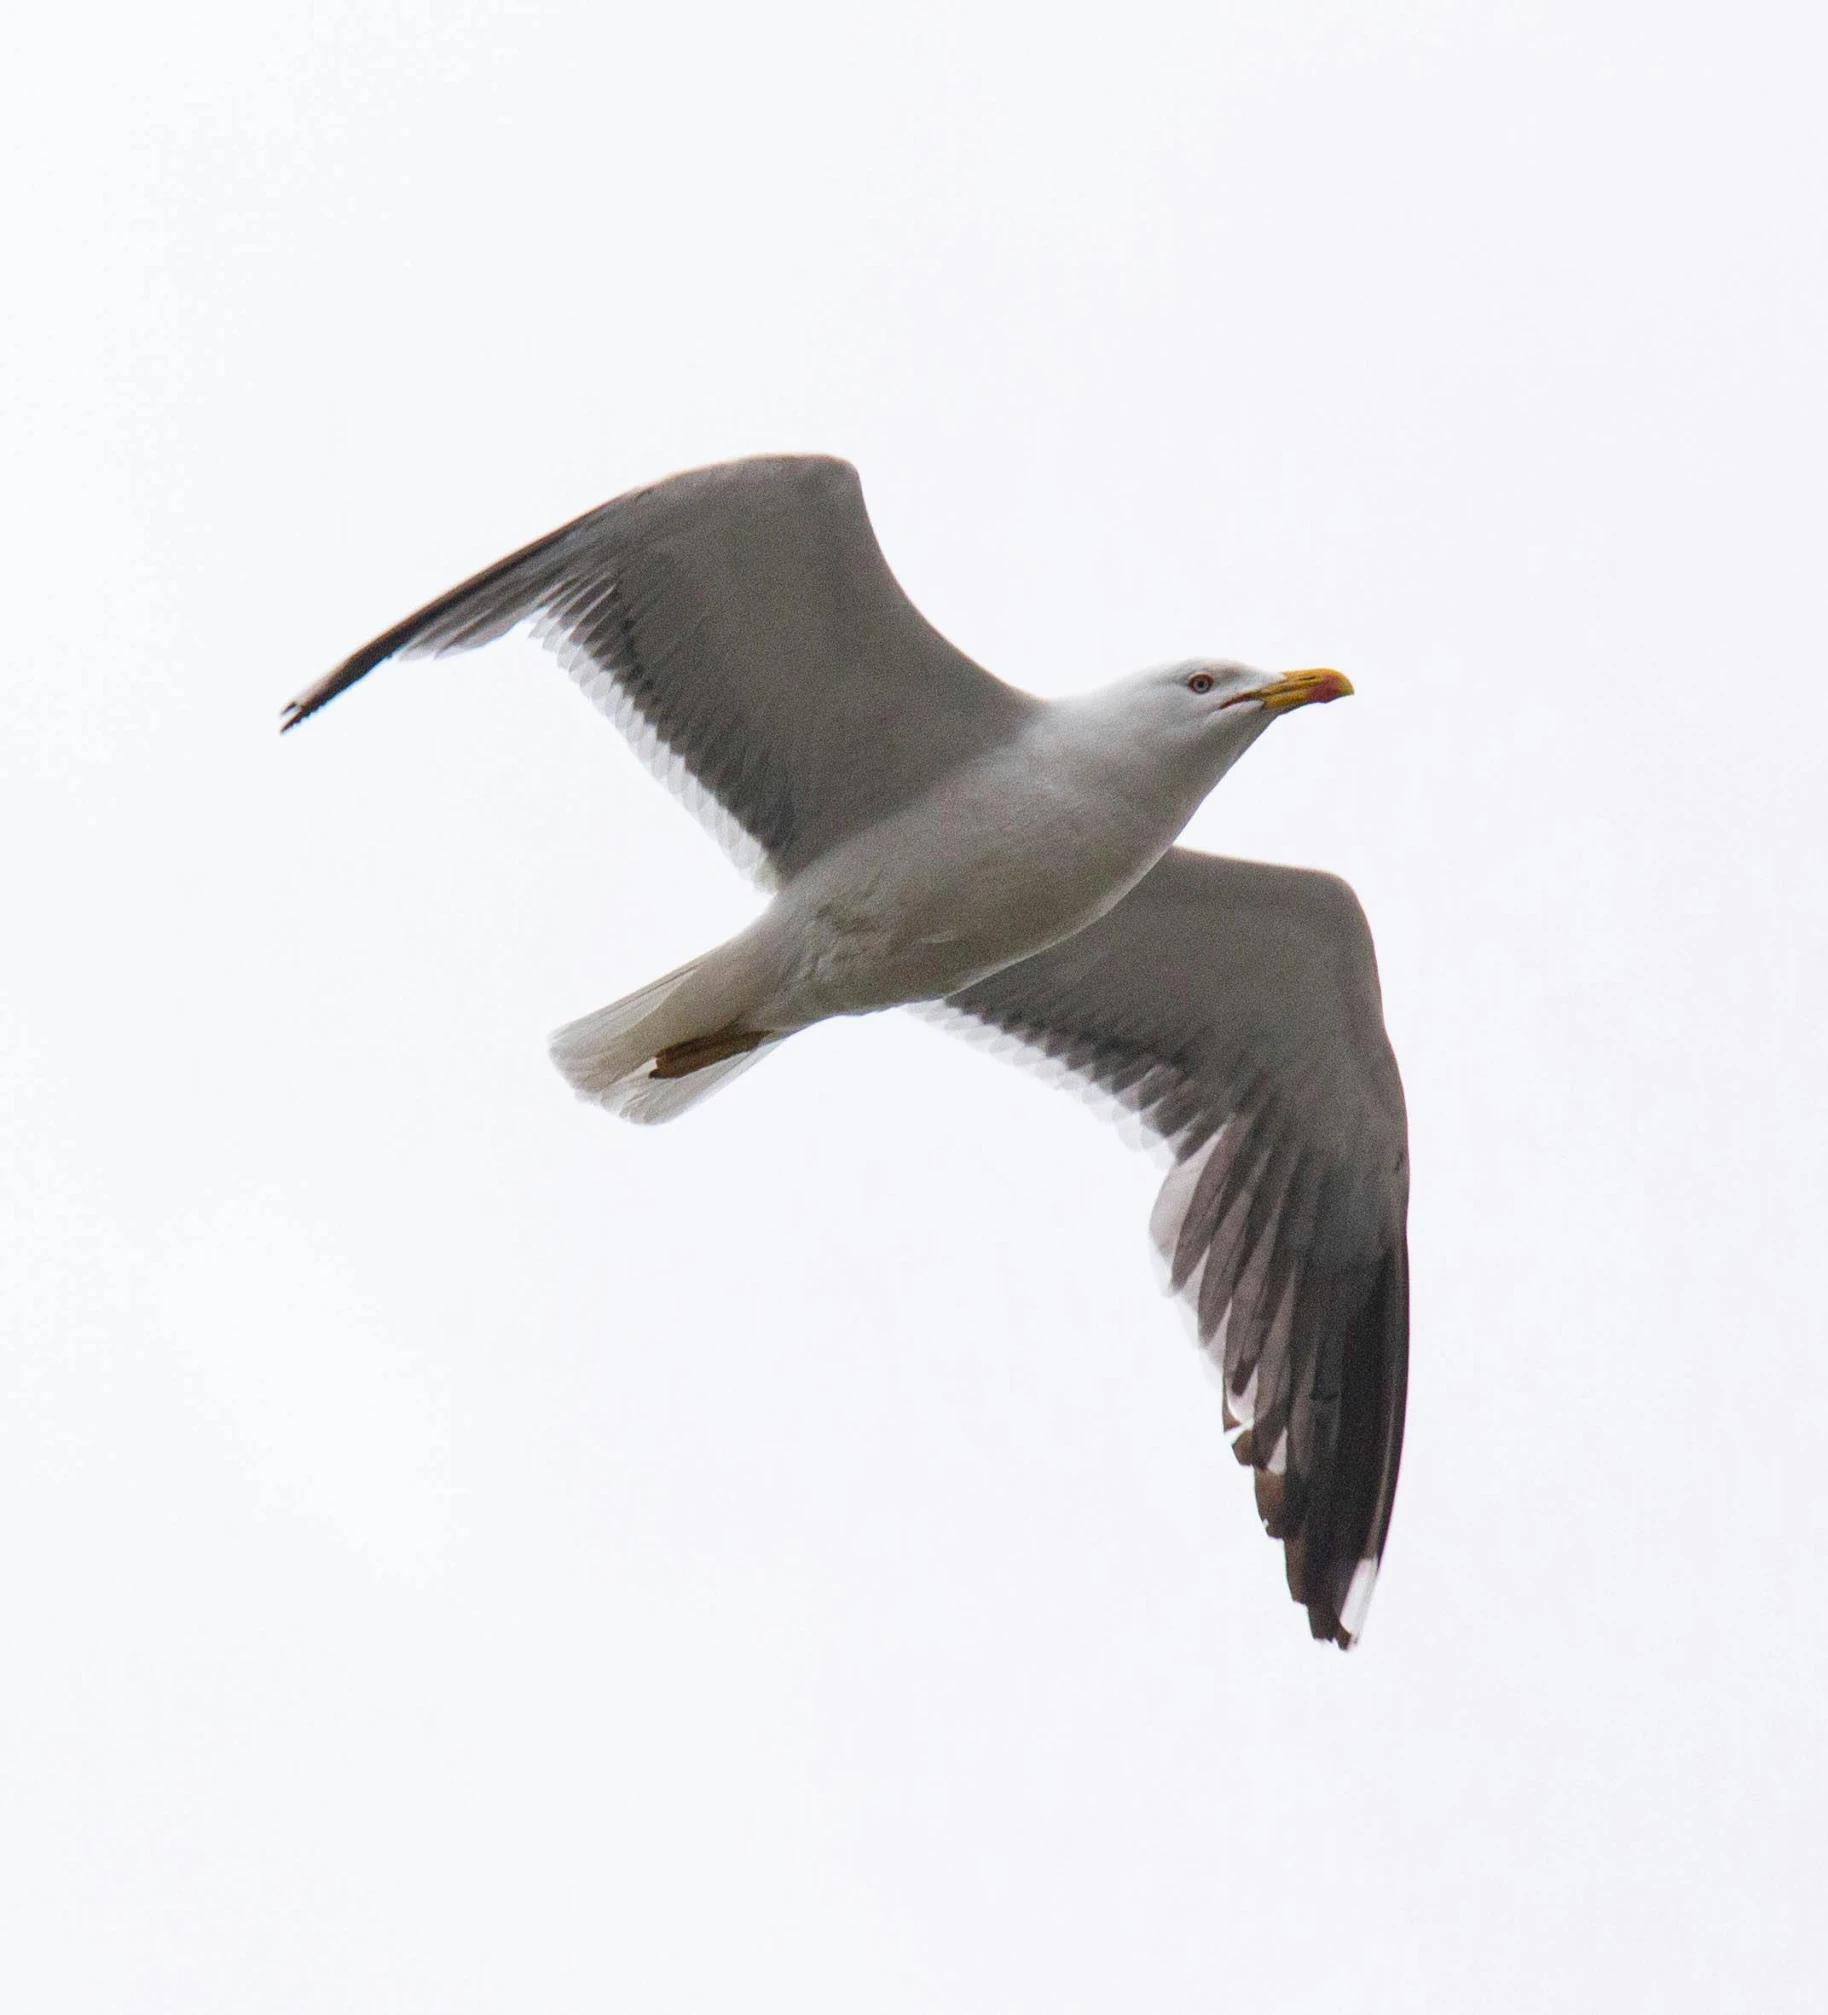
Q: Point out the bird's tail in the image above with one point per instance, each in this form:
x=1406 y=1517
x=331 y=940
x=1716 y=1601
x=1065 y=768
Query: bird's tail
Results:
x=657 y=1051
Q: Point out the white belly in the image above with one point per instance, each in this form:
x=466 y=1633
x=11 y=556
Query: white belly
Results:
x=1002 y=861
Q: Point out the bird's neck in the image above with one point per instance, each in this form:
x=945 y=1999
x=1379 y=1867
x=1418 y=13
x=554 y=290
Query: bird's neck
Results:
x=1161 y=782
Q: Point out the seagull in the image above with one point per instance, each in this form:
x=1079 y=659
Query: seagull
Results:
x=929 y=834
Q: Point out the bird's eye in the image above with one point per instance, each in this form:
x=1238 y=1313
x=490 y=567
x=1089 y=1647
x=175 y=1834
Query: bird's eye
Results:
x=1201 y=682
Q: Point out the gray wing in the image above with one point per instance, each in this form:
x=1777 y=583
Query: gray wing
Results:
x=739 y=621
x=1235 y=1008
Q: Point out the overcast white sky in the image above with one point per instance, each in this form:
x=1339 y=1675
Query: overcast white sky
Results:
x=461 y=1554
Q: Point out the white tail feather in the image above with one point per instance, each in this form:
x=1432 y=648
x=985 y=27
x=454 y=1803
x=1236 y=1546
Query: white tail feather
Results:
x=649 y=1100
x=608 y=1057
x=598 y=1050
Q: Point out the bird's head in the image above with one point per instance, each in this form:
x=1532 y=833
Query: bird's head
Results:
x=1218 y=706
x=1202 y=690
x=1191 y=721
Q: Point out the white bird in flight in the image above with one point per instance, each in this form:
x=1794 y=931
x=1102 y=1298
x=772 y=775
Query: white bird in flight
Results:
x=931 y=834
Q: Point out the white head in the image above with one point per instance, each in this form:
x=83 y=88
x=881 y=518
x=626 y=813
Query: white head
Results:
x=1165 y=736
x=1203 y=699
x=1199 y=716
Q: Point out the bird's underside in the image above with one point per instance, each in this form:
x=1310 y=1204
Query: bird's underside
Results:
x=742 y=627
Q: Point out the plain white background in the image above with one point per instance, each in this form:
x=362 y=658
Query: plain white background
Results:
x=460 y=1554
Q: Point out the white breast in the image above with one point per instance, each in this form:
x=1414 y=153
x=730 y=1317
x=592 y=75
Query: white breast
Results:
x=1004 y=858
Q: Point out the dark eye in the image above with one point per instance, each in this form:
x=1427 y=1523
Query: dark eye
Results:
x=1201 y=682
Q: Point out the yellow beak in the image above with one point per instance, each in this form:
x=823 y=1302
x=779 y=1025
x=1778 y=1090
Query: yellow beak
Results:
x=1297 y=689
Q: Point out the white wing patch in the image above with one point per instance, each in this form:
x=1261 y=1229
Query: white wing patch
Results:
x=1358 y=1599
x=1243 y=1402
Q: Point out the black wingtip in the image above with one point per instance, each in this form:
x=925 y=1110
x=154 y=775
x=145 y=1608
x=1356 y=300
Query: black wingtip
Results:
x=1333 y=1530
x=345 y=675
x=1329 y=1626
x=308 y=702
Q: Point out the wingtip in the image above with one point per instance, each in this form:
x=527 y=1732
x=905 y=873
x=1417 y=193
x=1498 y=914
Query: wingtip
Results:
x=303 y=705
x=1343 y=1623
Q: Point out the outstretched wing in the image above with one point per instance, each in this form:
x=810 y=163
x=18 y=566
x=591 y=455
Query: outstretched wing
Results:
x=741 y=623
x=1235 y=1008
